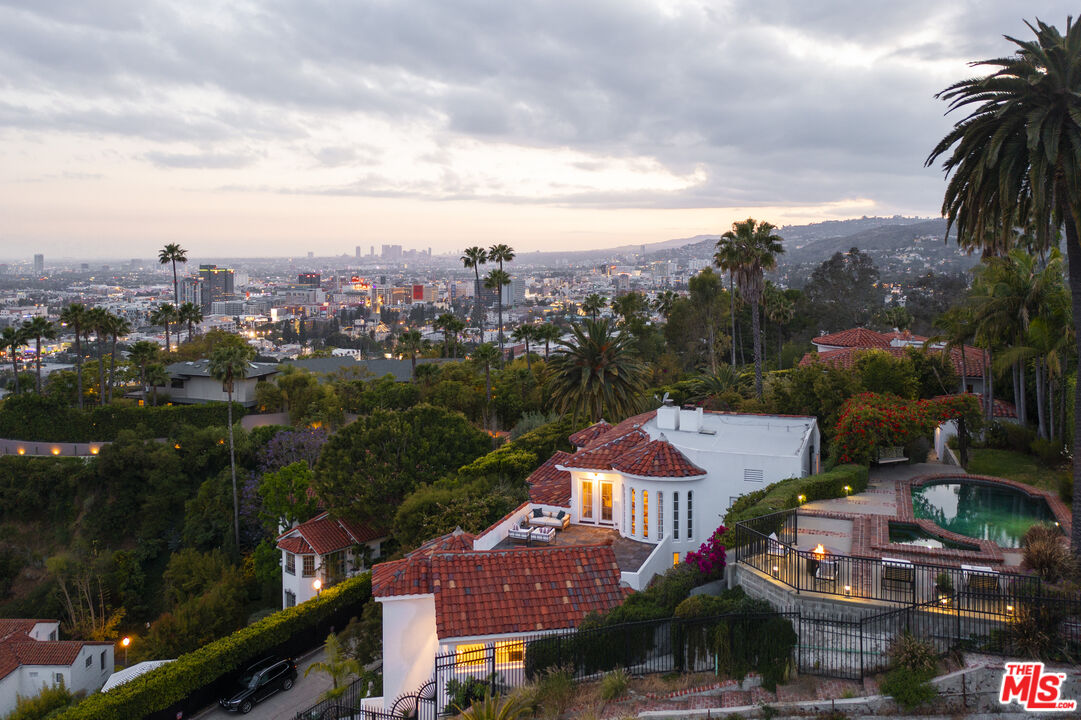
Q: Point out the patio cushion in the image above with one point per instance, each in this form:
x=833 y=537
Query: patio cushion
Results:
x=560 y=515
x=538 y=512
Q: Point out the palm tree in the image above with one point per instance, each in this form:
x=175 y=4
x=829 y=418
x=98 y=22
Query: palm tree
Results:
x=117 y=326
x=593 y=304
x=173 y=253
x=757 y=249
x=780 y=311
x=1016 y=161
x=727 y=258
x=487 y=354
x=596 y=373
x=75 y=316
x=99 y=321
x=455 y=326
x=664 y=301
x=156 y=376
x=411 y=342
x=39 y=328
x=229 y=361
x=141 y=355
x=190 y=314
x=495 y=280
x=338 y=665
x=525 y=333
x=549 y=333
x=165 y=316
x=474 y=257
x=500 y=254
x=725 y=380
x=956 y=327
x=12 y=339
x=449 y=324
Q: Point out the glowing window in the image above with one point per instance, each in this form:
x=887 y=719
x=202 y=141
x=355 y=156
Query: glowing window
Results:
x=509 y=651
x=660 y=515
x=675 y=516
x=645 y=513
x=632 y=511
x=309 y=566
x=690 y=516
x=472 y=654
x=675 y=558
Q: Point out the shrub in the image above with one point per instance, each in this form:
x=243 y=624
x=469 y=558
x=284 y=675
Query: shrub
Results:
x=461 y=694
x=944 y=583
x=614 y=684
x=908 y=651
x=1046 y=554
x=785 y=494
x=910 y=689
x=1065 y=488
x=1048 y=451
x=50 y=700
x=555 y=691
x=710 y=557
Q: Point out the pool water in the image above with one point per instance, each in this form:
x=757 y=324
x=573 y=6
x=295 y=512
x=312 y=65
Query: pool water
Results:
x=906 y=534
x=987 y=511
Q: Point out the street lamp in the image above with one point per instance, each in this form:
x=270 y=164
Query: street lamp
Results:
x=318 y=585
x=124 y=643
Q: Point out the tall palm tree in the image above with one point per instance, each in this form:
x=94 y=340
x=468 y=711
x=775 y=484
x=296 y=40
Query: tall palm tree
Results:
x=39 y=328
x=173 y=253
x=780 y=311
x=727 y=258
x=495 y=280
x=548 y=333
x=156 y=376
x=142 y=354
x=74 y=315
x=99 y=322
x=526 y=333
x=1015 y=161
x=487 y=355
x=445 y=322
x=118 y=326
x=500 y=254
x=189 y=314
x=165 y=316
x=229 y=361
x=474 y=257
x=596 y=374
x=12 y=339
x=593 y=304
x=664 y=301
x=411 y=342
x=757 y=248
x=726 y=379
x=455 y=326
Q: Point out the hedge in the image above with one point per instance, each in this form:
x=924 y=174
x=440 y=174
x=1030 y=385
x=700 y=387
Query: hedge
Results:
x=785 y=494
x=170 y=684
x=42 y=419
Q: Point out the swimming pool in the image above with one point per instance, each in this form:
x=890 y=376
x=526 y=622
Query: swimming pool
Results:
x=980 y=509
x=911 y=534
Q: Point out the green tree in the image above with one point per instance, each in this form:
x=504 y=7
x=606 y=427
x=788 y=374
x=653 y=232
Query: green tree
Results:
x=156 y=376
x=596 y=374
x=593 y=304
x=844 y=291
x=473 y=258
x=705 y=294
x=116 y=326
x=881 y=372
x=756 y=247
x=189 y=314
x=142 y=354
x=173 y=254
x=338 y=666
x=229 y=361
x=74 y=315
x=548 y=333
x=664 y=301
x=39 y=328
x=526 y=334
x=286 y=497
x=12 y=339
x=411 y=342
x=165 y=316
x=487 y=355
x=495 y=280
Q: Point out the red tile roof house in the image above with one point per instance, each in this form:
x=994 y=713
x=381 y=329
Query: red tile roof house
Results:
x=640 y=495
x=31 y=657
x=325 y=549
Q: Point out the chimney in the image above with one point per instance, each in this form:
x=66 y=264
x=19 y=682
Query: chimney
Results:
x=668 y=416
x=690 y=419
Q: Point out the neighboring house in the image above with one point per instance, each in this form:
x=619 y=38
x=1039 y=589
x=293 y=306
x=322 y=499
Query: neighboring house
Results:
x=841 y=349
x=639 y=496
x=191 y=383
x=400 y=369
x=446 y=597
x=325 y=549
x=31 y=658
x=1001 y=411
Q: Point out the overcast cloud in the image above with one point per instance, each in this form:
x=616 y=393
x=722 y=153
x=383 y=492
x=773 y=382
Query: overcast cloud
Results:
x=687 y=113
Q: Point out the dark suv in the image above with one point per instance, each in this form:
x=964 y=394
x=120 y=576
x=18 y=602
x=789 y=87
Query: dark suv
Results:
x=259 y=682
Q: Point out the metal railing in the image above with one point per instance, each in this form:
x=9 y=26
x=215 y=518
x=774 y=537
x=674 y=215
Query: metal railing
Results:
x=347 y=705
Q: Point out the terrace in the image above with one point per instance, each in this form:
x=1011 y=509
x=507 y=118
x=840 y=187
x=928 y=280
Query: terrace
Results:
x=630 y=554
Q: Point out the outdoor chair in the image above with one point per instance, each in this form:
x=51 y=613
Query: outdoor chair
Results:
x=980 y=578
x=899 y=574
x=826 y=573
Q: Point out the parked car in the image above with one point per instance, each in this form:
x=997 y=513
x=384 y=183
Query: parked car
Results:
x=259 y=682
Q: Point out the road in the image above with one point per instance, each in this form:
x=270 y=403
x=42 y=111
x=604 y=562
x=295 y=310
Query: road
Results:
x=282 y=705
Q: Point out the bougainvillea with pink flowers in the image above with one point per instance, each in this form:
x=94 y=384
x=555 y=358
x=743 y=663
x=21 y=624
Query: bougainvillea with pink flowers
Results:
x=710 y=556
x=869 y=421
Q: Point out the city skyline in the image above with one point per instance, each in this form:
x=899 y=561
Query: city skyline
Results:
x=247 y=130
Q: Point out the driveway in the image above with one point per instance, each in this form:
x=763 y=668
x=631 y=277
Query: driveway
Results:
x=283 y=705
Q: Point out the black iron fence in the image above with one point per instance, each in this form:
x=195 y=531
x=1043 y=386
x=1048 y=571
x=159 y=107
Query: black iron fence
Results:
x=775 y=553
x=348 y=705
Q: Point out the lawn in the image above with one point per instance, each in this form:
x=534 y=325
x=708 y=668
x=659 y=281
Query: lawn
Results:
x=1015 y=466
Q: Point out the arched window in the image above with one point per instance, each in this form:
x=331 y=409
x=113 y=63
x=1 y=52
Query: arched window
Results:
x=632 y=512
x=690 y=515
x=645 y=513
x=660 y=515
x=675 y=516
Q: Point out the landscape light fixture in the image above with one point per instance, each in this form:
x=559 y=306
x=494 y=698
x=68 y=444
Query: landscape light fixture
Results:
x=848 y=591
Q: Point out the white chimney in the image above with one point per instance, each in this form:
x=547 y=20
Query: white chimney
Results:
x=668 y=416
x=690 y=419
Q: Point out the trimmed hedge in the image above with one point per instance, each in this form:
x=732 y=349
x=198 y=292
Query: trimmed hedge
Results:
x=785 y=494
x=170 y=684
x=42 y=419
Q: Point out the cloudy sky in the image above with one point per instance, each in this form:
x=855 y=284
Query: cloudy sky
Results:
x=275 y=127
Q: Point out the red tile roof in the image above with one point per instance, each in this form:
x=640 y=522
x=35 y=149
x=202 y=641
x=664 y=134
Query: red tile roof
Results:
x=853 y=338
x=587 y=435
x=845 y=358
x=904 y=335
x=658 y=458
x=295 y=545
x=528 y=590
x=1001 y=408
x=17 y=626
x=411 y=575
x=18 y=648
x=621 y=429
x=549 y=485
x=599 y=456
x=325 y=534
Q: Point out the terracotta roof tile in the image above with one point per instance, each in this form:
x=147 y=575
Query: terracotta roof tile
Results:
x=17 y=626
x=587 y=435
x=528 y=590
x=326 y=534
x=295 y=545
x=412 y=574
x=658 y=458
x=549 y=485
x=600 y=456
x=622 y=428
x=853 y=338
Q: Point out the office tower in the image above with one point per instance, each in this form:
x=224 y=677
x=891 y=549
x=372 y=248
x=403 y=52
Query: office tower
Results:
x=217 y=284
x=191 y=290
x=357 y=252
x=373 y=251
x=392 y=252
x=309 y=279
x=39 y=264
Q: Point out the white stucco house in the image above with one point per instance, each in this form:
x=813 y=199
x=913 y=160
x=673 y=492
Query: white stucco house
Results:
x=191 y=383
x=639 y=496
x=31 y=657
x=325 y=549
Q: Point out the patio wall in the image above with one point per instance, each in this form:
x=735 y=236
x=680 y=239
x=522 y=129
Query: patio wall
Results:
x=50 y=449
x=658 y=561
x=759 y=585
